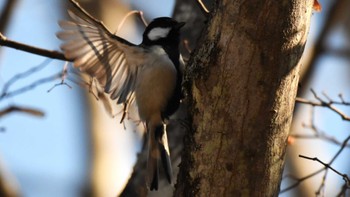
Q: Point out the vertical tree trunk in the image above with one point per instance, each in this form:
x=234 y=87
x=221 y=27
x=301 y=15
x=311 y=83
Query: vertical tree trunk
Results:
x=245 y=78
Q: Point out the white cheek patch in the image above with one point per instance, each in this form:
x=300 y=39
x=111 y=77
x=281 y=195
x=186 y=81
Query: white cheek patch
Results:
x=158 y=32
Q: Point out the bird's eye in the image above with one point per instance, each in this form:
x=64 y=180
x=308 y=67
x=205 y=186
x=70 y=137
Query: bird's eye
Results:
x=158 y=32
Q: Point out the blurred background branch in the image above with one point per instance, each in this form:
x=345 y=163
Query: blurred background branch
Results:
x=327 y=166
x=328 y=104
x=5 y=14
x=31 y=49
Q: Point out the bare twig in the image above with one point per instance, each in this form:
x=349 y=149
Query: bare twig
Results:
x=84 y=84
x=345 y=142
x=31 y=86
x=300 y=180
x=62 y=83
x=345 y=177
x=290 y=176
x=317 y=133
x=328 y=104
x=26 y=110
x=91 y=90
x=17 y=77
x=312 y=103
x=327 y=97
x=321 y=188
x=328 y=166
x=142 y=17
x=63 y=77
x=203 y=7
x=321 y=136
x=6 y=93
x=138 y=12
x=341 y=98
x=31 y=49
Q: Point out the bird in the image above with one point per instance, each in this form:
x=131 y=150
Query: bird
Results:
x=149 y=73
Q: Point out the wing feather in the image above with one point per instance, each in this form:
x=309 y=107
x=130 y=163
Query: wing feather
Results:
x=102 y=55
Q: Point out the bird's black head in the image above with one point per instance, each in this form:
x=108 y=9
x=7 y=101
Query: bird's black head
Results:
x=163 y=31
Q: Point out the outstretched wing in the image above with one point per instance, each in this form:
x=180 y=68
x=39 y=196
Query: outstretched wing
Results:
x=102 y=55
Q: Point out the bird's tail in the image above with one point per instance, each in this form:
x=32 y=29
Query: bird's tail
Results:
x=157 y=148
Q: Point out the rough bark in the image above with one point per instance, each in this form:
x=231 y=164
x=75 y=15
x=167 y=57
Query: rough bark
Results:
x=245 y=78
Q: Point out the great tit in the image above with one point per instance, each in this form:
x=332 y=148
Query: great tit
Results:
x=148 y=73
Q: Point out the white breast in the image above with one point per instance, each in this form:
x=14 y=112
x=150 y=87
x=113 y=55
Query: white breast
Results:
x=155 y=85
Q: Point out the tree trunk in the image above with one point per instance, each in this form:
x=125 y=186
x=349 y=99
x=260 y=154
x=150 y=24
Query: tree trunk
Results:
x=244 y=81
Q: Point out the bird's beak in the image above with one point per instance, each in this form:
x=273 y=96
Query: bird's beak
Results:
x=179 y=25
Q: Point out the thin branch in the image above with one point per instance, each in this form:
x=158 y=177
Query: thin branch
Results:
x=31 y=49
x=321 y=136
x=91 y=86
x=142 y=17
x=306 y=101
x=300 y=180
x=26 y=110
x=345 y=142
x=203 y=7
x=62 y=83
x=31 y=86
x=321 y=188
x=323 y=103
x=5 y=91
x=346 y=178
x=17 y=77
x=342 y=98
x=290 y=176
x=327 y=97
x=63 y=77
x=138 y=12
x=328 y=166
x=317 y=133
x=124 y=19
